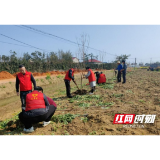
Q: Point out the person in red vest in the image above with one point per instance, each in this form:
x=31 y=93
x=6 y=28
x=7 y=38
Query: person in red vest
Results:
x=37 y=109
x=68 y=77
x=24 y=79
x=92 y=79
x=51 y=102
x=102 y=78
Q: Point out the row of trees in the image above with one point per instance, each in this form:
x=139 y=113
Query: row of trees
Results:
x=36 y=61
x=41 y=62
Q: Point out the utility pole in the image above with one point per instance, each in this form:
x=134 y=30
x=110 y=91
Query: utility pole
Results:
x=135 y=64
x=150 y=61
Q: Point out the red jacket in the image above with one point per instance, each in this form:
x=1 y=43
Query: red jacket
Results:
x=67 y=75
x=34 y=100
x=51 y=102
x=102 y=78
x=25 y=81
x=92 y=77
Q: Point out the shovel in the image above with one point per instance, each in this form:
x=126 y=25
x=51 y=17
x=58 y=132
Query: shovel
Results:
x=76 y=85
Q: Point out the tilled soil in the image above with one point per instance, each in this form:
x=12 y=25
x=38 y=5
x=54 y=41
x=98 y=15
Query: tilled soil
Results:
x=80 y=92
x=95 y=113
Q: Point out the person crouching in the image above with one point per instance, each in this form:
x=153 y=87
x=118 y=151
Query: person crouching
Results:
x=37 y=110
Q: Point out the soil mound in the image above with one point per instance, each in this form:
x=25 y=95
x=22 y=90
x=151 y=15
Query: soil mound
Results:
x=80 y=92
x=36 y=74
x=5 y=75
x=15 y=74
x=53 y=72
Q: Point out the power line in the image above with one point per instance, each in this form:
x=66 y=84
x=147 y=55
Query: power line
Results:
x=23 y=43
x=22 y=27
x=13 y=44
x=45 y=33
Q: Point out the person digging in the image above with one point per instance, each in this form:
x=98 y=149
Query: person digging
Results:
x=92 y=79
x=68 y=77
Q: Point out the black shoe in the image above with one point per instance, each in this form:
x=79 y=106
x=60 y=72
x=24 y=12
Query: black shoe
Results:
x=123 y=82
x=69 y=96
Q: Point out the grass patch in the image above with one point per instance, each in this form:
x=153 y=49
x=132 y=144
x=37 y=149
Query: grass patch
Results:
x=61 y=92
x=3 y=124
x=77 y=97
x=107 y=86
x=71 y=100
x=142 y=101
x=59 y=76
x=118 y=95
x=87 y=97
x=65 y=119
x=48 y=77
x=84 y=119
x=3 y=86
x=56 y=99
x=85 y=105
x=93 y=133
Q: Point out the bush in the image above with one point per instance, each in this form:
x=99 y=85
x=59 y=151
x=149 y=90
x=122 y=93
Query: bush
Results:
x=48 y=77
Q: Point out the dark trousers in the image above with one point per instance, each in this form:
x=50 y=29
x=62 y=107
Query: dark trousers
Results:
x=97 y=79
x=68 y=88
x=28 y=121
x=119 y=76
x=115 y=73
x=124 y=77
x=93 y=89
x=23 y=98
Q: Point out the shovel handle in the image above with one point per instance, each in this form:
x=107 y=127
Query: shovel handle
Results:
x=76 y=84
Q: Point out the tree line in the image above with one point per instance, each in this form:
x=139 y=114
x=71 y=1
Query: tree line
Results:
x=42 y=62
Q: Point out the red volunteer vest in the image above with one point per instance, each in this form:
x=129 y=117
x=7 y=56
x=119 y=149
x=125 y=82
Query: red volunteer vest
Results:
x=102 y=78
x=92 y=77
x=34 y=100
x=67 y=75
x=25 y=81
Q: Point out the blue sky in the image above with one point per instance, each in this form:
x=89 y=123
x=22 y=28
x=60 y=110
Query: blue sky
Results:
x=141 y=41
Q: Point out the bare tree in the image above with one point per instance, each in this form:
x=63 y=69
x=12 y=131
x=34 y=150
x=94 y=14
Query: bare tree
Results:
x=83 y=44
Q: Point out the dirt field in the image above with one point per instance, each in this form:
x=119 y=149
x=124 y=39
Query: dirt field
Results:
x=91 y=114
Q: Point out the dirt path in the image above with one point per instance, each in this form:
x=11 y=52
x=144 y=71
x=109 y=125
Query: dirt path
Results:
x=36 y=77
